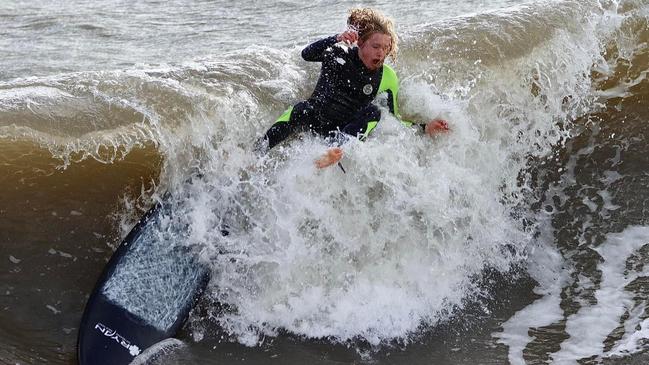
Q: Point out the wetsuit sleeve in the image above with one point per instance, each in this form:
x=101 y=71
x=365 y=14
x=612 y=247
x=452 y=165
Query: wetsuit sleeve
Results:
x=315 y=51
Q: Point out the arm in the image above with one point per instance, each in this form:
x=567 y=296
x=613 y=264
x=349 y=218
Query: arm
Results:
x=314 y=52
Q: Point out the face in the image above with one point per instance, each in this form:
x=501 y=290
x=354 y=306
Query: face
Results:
x=374 y=50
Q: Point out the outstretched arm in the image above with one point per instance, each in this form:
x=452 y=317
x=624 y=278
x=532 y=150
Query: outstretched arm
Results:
x=390 y=85
x=431 y=128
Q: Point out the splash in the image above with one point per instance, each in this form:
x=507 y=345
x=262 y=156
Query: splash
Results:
x=397 y=243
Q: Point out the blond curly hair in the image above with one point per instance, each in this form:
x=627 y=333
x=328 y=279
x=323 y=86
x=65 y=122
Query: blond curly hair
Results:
x=368 y=21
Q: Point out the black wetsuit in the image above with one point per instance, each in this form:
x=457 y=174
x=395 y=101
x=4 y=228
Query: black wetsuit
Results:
x=342 y=99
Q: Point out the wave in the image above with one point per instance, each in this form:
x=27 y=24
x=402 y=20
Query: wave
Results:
x=540 y=44
x=398 y=241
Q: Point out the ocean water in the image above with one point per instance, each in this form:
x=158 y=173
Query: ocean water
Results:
x=521 y=237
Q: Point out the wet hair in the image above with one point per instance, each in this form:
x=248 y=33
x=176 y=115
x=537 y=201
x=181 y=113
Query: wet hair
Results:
x=368 y=21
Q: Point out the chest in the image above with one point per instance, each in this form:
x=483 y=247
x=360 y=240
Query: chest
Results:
x=362 y=86
x=350 y=77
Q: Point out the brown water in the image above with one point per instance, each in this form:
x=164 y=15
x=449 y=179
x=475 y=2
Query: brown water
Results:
x=58 y=230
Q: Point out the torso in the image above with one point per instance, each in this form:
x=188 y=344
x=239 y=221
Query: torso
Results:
x=345 y=86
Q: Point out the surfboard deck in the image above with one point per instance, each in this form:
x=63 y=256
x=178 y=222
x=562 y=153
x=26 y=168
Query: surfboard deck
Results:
x=144 y=294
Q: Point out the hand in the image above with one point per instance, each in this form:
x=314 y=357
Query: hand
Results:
x=348 y=36
x=332 y=156
x=436 y=126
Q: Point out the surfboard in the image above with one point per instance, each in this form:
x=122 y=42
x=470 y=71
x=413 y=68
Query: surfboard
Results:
x=144 y=293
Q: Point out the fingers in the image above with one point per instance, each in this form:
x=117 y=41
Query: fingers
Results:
x=442 y=124
x=348 y=36
x=332 y=156
x=353 y=36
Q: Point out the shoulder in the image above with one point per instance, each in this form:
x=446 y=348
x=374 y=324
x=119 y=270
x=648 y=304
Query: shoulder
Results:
x=338 y=55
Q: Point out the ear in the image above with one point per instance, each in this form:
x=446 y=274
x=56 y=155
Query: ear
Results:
x=360 y=42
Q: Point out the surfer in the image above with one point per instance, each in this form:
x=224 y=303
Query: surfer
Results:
x=350 y=78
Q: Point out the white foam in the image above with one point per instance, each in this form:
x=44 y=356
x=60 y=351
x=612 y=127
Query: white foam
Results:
x=593 y=323
x=635 y=331
x=30 y=96
x=374 y=252
x=393 y=243
x=53 y=309
x=547 y=265
x=158 y=352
